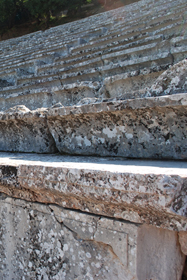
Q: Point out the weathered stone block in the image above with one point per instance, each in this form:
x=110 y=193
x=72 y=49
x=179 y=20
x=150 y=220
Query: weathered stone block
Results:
x=49 y=242
x=31 y=133
x=148 y=192
x=141 y=128
x=137 y=128
x=122 y=219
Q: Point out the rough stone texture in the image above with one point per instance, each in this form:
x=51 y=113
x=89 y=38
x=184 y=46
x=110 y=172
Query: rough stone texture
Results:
x=49 y=242
x=138 y=191
x=137 y=128
x=34 y=245
x=172 y=81
x=118 y=129
x=28 y=134
x=123 y=76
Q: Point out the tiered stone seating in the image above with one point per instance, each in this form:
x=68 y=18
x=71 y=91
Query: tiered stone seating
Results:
x=117 y=45
x=106 y=98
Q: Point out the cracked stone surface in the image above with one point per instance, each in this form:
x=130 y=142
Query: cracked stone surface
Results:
x=151 y=192
x=49 y=242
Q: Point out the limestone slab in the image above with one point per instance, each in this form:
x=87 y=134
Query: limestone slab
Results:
x=34 y=245
x=149 y=192
x=151 y=252
x=48 y=242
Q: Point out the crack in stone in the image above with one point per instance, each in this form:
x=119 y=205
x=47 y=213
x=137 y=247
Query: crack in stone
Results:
x=78 y=238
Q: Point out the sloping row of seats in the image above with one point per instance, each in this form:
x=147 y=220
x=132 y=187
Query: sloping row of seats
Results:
x=65 y=61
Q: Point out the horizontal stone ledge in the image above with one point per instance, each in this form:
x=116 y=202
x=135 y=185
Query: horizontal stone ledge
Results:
x=139 y=191
x=119 y=105
x=141 y=128
x=94 y=106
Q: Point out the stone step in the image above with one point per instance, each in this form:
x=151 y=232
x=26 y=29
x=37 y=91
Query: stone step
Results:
x=40 y=51
x=48 y=33
x=26 y=68
x=69 y=89
x=99 y=59
x=96 y=71
x=32 y=69
x=44 y=96
x=140 y=191
x=89 y=197
x=57 y=83
x=94 y=52
x=129 y=85
x=144 y=23
x=32 y=66
x=70 y=94
x=144 y=128
x=112 y=211
x=151 y=128
x=49 y=90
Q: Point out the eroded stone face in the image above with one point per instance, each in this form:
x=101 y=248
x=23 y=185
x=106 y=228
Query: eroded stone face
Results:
x=172 y=81
x=157 y=244
x=19 y=134
x=41 y=242
x=140 y=133
x=52 y=243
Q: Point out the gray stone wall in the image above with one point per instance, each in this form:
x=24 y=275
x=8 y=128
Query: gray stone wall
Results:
x=49 y=242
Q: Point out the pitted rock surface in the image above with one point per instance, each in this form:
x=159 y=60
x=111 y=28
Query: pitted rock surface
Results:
x=142 y=133
x=172 y=81
x=49 y=242
x=31 y=135
x=35 y=245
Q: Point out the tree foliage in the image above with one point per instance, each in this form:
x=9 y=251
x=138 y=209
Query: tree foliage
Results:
x=8 y=11
x=19 y=11
x=41 y=9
